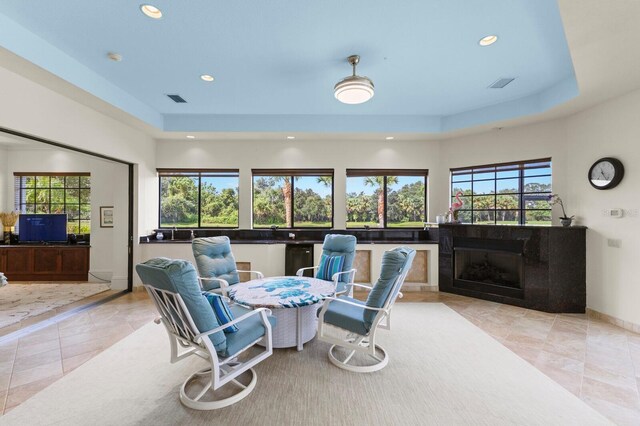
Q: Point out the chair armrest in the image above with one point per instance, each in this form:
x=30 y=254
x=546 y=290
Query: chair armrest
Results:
x=300 y=271
x=348 y=302
x=223 y=283
x=335 y=276
x=235 y=321
x=368 y=287
x=259 y=274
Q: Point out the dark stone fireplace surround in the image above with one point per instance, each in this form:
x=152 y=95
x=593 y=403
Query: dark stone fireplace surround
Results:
x=553 y=259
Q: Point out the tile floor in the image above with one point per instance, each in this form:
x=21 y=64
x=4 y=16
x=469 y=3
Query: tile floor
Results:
x=596 y=361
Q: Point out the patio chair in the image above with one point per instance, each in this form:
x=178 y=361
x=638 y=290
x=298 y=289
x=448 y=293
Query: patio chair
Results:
x=358 y=322
x=338 y=253
x=217 y=268
x=194 y=329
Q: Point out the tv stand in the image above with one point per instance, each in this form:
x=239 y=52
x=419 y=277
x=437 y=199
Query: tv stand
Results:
x=45 y=262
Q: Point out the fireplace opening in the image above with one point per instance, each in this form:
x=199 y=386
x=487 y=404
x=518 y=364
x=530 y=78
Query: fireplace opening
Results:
x=490 y=267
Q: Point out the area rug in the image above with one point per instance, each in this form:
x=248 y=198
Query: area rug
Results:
x=21 y=301
x=442 y=371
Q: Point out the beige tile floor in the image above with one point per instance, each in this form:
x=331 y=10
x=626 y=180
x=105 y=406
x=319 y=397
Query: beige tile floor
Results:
x=598 y=362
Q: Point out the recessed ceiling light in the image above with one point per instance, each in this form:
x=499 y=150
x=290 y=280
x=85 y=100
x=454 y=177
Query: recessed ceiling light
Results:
x=151 y=11
x=190 y=137
x=389 y=138
x=206 y=77
x=488 y=40
x=115 y=57
x=291 y=137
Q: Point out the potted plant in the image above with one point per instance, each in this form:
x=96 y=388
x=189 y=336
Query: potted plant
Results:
x=564 y=219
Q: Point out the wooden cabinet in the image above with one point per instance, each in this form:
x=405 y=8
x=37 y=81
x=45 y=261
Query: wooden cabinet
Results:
x=45 y=263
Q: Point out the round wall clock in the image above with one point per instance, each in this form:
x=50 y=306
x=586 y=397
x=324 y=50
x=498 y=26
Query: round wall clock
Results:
x=606 y=173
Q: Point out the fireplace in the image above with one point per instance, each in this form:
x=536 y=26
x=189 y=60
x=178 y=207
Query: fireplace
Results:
x=536 y=267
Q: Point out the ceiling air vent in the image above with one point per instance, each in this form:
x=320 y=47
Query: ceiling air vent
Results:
x=501 y=82
x=177 y=99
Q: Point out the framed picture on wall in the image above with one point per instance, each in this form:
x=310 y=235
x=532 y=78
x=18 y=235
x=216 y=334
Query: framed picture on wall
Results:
x=106 y=216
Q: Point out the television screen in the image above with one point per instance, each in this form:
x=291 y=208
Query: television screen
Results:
x=35 y=228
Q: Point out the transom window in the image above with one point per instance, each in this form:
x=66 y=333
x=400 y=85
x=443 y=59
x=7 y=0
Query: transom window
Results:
x=293 y=198
x=198 y=198
x=386 y=198
x=505 y=194
x=68 y=193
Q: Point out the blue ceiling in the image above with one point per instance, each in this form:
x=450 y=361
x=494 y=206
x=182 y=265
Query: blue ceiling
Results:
x=275 y=62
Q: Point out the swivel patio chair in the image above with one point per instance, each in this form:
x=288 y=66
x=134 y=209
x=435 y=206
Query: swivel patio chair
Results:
x=338 y=254
x=217 y=268
x=357 y=322
x=194 y=329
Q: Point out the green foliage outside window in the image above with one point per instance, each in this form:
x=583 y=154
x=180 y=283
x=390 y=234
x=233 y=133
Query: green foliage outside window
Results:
x=59 y=193
x=198 y=199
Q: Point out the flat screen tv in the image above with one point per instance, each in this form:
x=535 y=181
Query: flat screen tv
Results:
x=39 y=228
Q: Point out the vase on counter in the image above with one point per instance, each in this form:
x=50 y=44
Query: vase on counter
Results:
x=566 y=221
x=159 y=236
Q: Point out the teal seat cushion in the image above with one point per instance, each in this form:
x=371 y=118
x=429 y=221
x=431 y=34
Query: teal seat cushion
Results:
x=347 y=317
x=341 y=245
x=394 y=263
x=328 y=266
x=215 y=260
x=249 y=330
x=179 y=276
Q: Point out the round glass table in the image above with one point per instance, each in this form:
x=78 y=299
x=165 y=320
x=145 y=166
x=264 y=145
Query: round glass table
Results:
x=292 y=300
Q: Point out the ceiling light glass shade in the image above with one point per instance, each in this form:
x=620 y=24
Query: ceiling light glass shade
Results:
x=488 y=40
x=151 y=11
x=354 y=90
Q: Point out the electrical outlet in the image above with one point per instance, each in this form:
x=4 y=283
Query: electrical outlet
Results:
x=614 y=243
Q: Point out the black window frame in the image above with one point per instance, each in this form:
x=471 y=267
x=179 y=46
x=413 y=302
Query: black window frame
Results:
x=20 y=192
x=385 y=173
x=199 y=173
x=520 y=167
x=292 y=173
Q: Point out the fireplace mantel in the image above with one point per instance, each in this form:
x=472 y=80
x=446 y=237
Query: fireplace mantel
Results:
x=551 y=262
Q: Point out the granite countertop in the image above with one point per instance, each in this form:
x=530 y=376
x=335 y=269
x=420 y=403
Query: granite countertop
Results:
x=292 y=242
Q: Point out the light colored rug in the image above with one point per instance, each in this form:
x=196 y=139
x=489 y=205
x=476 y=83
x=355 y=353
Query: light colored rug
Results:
x=22 y=301
x=442 y=370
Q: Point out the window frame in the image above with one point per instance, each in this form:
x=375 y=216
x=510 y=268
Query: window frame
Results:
x=386 y=173
x=291 y=173
x=162 y=172
x=520 y=167
x=19 y=190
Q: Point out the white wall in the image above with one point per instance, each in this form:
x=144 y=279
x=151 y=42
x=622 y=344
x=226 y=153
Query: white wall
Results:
x=108 y=188
x=3 y=180
x=337 y=155
x=34 y=109
x=611 y=129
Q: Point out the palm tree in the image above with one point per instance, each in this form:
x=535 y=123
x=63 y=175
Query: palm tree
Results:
x=378 y=182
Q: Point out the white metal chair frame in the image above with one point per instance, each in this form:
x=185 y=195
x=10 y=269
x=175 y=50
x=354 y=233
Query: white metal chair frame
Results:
x=357 y=343
x=224 y=284
x=183 y=331
x=335 y=278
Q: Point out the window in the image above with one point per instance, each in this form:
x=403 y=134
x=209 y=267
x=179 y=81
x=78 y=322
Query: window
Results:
x=504 y=194
x=293 y=198
x=198 y=198
x=68 y=193
x=386 y=198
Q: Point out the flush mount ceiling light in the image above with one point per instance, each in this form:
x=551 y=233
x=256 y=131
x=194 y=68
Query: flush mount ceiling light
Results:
x=291 y=137
x=207 y=77
x=389 y=138
x=488 y=40
x=115 y=57
x=354 y=89
x=190 y=137
x=151 y=11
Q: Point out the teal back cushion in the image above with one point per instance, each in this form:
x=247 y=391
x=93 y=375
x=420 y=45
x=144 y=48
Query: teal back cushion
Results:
x=328 y=266
x=394 y=263
x=179 y=276
x=215 y=260
x=341 y=245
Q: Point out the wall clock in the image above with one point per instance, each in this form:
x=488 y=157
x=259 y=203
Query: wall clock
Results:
x=606 y=173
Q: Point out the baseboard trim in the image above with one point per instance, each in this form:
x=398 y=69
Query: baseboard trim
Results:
x=627 y=325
